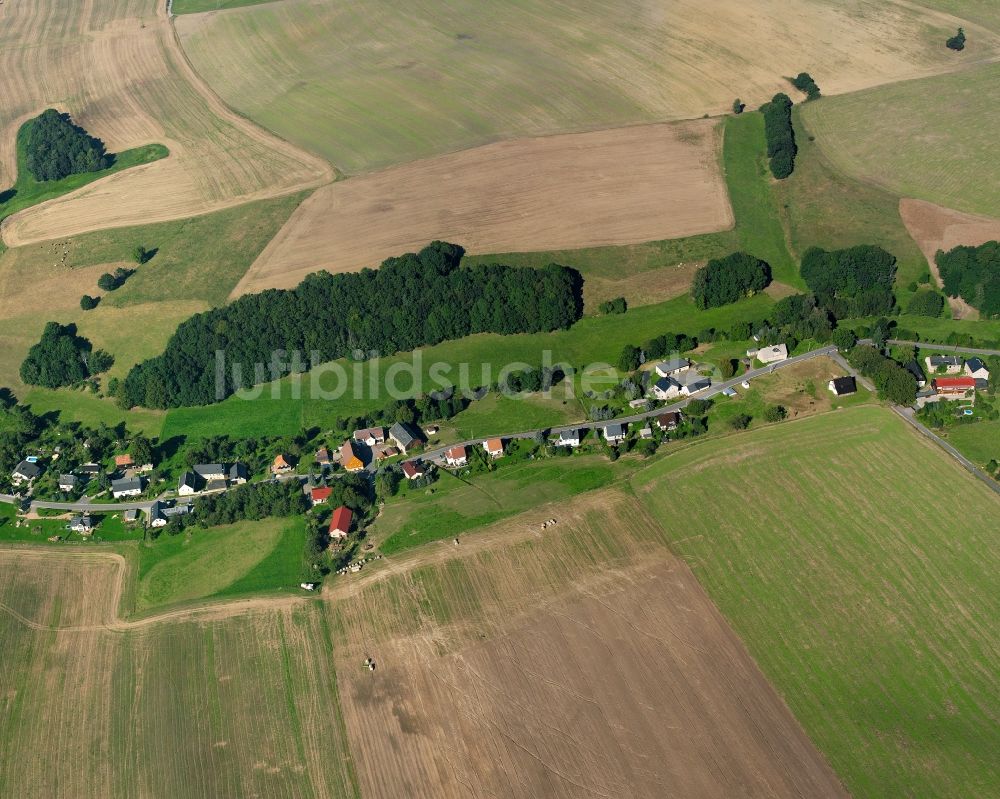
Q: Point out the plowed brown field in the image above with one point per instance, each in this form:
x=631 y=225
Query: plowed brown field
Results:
x=618 y=186
x=115 y=65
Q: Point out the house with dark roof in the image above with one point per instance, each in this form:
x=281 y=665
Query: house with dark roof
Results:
x=412 y=470
x=25 y=472
x=126 y=487
x=944 y=364
x=82 y=524
x=842 y=386
x=370 y=436
x=568 y=438
x=323 y=456
x=672 y=367
x=614 y=432
x=918 y=374
x=238 y=474
x=668 y=421
x=68 y=482
x=188 y=484
x=210 y=471
x=403 y=437
x=976 y=369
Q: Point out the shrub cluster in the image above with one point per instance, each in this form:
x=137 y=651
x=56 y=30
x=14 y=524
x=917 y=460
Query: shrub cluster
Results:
x=57 y=148
x=926 y=302
x=411 y=301
x=804 y=83
x=780 y=136
x=615 y=306
x=973 y=273
x=956 y=42
x=853 y=282
x=726 y=280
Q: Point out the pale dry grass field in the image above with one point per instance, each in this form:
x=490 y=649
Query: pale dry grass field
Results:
x=618 y=186
x=583 y=661
x=116 y=67
x=374 y=83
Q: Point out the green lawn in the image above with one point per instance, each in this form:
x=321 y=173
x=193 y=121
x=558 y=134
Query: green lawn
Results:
x=979 y=441
x=242 y=558
x=868 y=601
x=27 y=191
x=752 y=194
x=458 y=505
x=932 y=139
x=196 y=6
x=90 y=410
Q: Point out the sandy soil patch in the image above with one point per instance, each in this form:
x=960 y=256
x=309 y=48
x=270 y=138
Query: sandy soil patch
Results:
x=619 y=186
x=935 y=228
x=117 y=68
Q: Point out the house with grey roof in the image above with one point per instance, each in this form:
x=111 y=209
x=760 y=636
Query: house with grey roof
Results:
x=944 y=364
x=672 y=367
x=187 y=484
x=976 y=369
x=614 y=432
x=68 y=482
x=25 y=472
x=238 y=474
x=568 y=438
x=82 y=524
x=126 y=487
x=210 y=471
x=403 y=437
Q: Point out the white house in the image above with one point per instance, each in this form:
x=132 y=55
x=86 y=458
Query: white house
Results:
x=25 y=472
x=772 y=354
x=493 y=447
x=126 y=487
x=666 y=388
x=187 y=484
x=568 y=438
x=614 y=433
x=975 y=368
x=82 y=524
x=672 y=367
x=456 y=457
x=944 y=364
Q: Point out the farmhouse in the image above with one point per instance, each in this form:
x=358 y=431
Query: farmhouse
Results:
x=403 y=437
x=493 y=447
x=323 y=456
x=457 y=456
x=349 y=458
x=238 y=474
x=778 y=352
x=955 y=386
x=25 y=472
x=944 y=364
x=320 y=494
x=210 y=471
x=282 y=464
x=672 y=367
x=918 y=374
x=668 y=421
x=568 y=438
x=976 y=369
x=126 y=487
x=340 y=523
x=614 y=433
x=412 y=470
x=666 y=388
x=841 y=386
x=67 y=482
x=187 y=484
x=370 y=436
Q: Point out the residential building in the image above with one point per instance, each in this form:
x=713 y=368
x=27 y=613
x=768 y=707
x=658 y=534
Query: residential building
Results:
x=944 y=364
x=157 y=518
x=89 y=470
x=666 y=388
x=841 y=386
x=161 y=513
x=668 y=421
x=614 y=432
x=123 y=461
x=370 y=436
x=457 y=457
x=25 y=472
x=976 y=369
x=210 y=471
x=646 y=431
x=954 y=386
x=412 y=470
x=493 y=447
x=82 y=524
x=349 y=458
x=729 y=391
x=187 y=484
x=403 y=437
x=772 y=354
x=218 y=484
x=340 y=523
x=690 y=382
x=568 y=438
x=323 y=456
x=672 y=367
x=131 y=516
x=126 y=487
x=238 y=474
x=282 y=464
x=918 y=374
x=68 y=482
x=320 y=494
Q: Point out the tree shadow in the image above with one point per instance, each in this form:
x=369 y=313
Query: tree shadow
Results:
x=7 y=195
x=167 y=449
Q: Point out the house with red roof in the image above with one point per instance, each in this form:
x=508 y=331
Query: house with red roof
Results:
x=320 y=494
x=340 y=523
x=457 y=456
x=412 y=470
x=493 y=447
x=954 y=386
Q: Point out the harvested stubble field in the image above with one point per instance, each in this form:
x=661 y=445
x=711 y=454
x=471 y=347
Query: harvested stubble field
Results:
x=334 y=78
x=503 y=666
x=577 y=190
x=117 y=68
x=867 y=597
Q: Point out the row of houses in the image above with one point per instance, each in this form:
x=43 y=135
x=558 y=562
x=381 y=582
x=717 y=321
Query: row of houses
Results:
x=458 y=456
x=954 y=365
x=957 y=378
x=212 y=477
x=616 y=432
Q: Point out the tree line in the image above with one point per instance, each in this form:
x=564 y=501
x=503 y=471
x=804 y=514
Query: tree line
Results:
x=57 y=148
x=804 y=83
x=973 y=273
x=415 y=300
x=726 y=280
x=781 y=148
x=893 y=381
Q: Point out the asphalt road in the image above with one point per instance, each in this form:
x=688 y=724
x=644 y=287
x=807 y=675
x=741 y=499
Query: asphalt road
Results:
x=928 y=345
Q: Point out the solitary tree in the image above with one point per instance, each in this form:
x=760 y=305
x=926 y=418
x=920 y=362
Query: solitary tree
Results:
x=140 y=255
x=738 y=106
x=957 y=42
x=88 y=303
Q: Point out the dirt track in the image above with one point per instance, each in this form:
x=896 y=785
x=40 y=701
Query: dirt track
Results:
x=619 y=186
